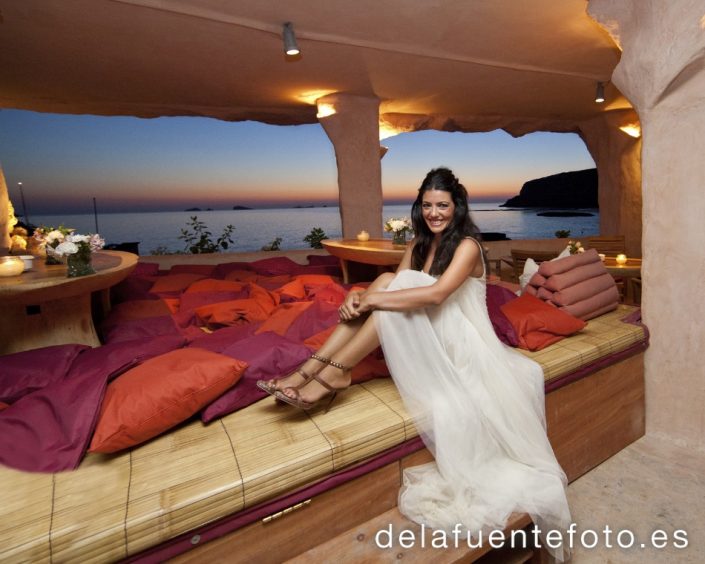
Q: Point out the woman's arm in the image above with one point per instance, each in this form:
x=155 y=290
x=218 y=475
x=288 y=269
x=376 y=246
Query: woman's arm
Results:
x=461 y=266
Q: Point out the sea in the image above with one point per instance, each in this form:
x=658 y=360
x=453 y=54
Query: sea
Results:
x=158 y=232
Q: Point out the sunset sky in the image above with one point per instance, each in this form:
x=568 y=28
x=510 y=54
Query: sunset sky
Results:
x=132 y=164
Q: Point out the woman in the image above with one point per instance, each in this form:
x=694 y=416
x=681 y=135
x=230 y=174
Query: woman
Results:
x=477 y=404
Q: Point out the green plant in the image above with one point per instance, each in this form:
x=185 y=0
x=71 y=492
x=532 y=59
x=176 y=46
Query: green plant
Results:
x=274 y=245
x=563 y=233
x=198 y=237
x=315 y=237
x=161 y=250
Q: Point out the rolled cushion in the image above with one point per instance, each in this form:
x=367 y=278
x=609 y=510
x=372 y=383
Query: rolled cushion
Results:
x=606 y=298
x=538 y=324
x=164 y=391
x=274 y=266
x=556 y=282
x=583 y=290
x=560 y=265
x=203 y=269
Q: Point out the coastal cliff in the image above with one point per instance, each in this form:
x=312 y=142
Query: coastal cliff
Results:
x=576 y=189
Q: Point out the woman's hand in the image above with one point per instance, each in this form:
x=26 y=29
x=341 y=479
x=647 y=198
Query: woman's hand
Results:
x=349 y=309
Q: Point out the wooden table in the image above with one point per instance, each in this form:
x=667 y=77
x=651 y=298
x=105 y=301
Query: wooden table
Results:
x=631 y=269
x=380 y=252
x=43 y=307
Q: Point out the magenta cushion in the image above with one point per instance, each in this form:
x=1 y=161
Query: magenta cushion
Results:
x=274 y=266
x=319 y=316
x=140 y=329
x=496 y=297
x=204 y=269
x=25 y=372
x=225 y=268
x=146 y=269
x=558 y=266
x=268 y=356
x=322 y=260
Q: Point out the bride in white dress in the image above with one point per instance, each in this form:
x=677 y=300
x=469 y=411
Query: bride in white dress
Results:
x=477 y=404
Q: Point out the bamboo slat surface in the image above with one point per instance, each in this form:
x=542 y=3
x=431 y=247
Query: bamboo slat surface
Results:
x=114 y=506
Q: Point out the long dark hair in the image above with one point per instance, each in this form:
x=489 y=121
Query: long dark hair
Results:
x=460 y=227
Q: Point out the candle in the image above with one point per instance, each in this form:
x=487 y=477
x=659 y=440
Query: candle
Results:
x=602 y=256
x=11 y=266
x=363 y=236
x=621 y=259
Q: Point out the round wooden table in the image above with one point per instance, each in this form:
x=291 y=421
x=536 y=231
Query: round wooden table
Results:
x=43 y=307
x=380 y=252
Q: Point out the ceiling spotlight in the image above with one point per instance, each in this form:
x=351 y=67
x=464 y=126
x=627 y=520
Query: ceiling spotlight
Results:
x=290 y=46
x=600 y=93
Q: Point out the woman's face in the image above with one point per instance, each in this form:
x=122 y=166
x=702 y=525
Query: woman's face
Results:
x=437 y=208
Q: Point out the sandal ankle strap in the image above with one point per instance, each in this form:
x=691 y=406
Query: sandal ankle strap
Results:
x=331 y=362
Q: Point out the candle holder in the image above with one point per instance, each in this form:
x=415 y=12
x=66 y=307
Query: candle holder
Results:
x=363 y=236
x=621 y=259
x=11 y=266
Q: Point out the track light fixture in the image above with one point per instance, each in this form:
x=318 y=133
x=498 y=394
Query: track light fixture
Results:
x=290 y=46
x=600 y=93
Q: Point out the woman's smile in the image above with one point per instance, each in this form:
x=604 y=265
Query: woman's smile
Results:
x=437 y=208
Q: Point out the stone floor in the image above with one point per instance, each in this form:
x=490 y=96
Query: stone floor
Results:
x=650 y=485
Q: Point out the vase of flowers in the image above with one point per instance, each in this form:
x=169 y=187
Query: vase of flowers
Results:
x=575 y=247
x=48 y=238
x=78 y=251
x=398 y=227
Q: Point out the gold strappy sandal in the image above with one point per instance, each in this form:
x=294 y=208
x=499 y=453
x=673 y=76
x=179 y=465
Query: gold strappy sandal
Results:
x=332 y=392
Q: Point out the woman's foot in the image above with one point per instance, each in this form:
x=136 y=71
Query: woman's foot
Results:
x=312 y=366
x=328 y=382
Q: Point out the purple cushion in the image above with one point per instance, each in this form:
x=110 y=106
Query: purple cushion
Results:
x=25 y=372
x=496 y=297
x=140 y=329
x=274 y=266
x=316 y=318
x=330 y=270
x=49 y=429
x=225 y=268
x=133 y=288
x=268 y=356
x=204 y=269
x=323 y=260
x=146 y=269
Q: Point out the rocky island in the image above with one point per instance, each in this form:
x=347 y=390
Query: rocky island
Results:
x=567 y=190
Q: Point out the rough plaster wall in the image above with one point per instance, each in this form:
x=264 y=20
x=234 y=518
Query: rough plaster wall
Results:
x=662 y=73
x=618 y=160
x=354 y=132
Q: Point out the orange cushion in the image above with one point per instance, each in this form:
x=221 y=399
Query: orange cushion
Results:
x=294 y=289
x=282 y=317
x=316 y=341
x=174 y=282
x=316 y=279
x=160 y=393
x=3 y=405
x=538 y=324
x=212 y=285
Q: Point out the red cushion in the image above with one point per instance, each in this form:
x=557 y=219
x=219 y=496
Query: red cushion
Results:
x=164 y=391
x=204 y=269
x=538 y=324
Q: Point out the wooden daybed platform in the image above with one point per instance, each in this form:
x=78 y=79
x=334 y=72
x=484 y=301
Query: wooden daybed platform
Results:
x=224 y=480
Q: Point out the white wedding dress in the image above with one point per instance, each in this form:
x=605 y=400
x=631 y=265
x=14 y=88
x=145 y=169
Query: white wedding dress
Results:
x=479 y=407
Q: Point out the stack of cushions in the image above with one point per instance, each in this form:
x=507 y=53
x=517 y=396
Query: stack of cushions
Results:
x=578 y=284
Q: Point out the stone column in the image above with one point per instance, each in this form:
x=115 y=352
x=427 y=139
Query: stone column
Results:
x=353 y=128
x=5 y=242
x=618 y=160
x=662 y=72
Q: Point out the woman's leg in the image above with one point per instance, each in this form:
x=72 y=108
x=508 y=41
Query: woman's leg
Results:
x=362 y=343
x=343 y=335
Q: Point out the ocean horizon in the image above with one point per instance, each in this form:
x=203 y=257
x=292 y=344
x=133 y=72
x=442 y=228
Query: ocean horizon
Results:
x=255 y=228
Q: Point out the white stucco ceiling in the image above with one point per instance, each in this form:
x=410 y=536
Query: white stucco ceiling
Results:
x=469 y=65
